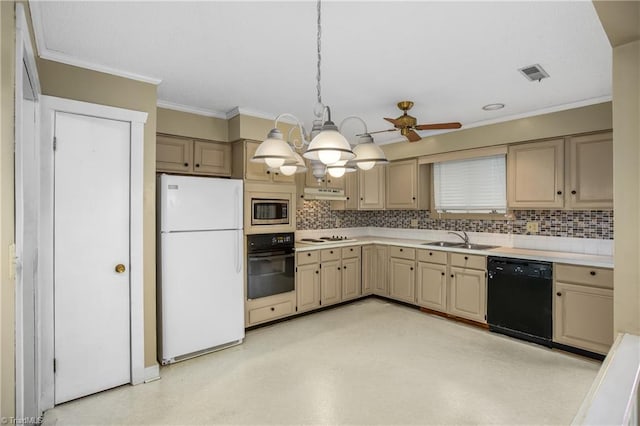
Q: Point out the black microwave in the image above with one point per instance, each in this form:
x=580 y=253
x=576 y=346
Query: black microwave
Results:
x=269 y=211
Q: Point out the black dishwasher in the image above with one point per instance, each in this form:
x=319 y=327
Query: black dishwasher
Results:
x=519 y=299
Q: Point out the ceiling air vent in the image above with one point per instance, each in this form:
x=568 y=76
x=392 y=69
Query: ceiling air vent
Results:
x=534 y=72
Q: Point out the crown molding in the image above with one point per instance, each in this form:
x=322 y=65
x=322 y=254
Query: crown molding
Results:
x=52 y=55
x=257 y=114
x=192 y=110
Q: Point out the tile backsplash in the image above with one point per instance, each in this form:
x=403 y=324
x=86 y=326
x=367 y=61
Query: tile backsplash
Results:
x=596 y=224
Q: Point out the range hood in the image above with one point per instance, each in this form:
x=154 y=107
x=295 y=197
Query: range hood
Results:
x=332 y=194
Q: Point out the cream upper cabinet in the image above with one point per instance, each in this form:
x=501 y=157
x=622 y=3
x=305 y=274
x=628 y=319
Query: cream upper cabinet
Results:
x=431 y=282
x=371 y=188
x=350 y=183
x=408 y=185
x=198 y=157
x=308 y=287
x=211 y=158
x=535 y=175
x=174 y=154
x=402 y=279
x=590 y=171
x=244 y=168
x=583 y=307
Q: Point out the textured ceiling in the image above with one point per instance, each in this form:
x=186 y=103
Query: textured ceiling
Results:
x=450 y=58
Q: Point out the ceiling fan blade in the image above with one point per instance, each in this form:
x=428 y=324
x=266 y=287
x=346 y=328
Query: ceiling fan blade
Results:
x=438 y=126
x=380 y=131
x=413 y=136
x=393 y=121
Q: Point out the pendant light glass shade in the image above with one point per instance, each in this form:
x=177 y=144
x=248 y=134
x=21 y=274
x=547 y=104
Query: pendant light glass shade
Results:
x=274 y=151
x=329 y=146
x=368 y=154
x=340 y=168
x=291 y=167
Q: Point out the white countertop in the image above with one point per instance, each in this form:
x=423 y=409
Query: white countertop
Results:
x=517 y=253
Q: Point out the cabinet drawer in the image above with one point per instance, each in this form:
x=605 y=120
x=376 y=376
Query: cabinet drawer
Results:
x=468 y=261
x=330 y=254
x=270 y=312
x=402 y=253
x=348 y=252
x=306 y=257
x=597 y=277
x=432 y=256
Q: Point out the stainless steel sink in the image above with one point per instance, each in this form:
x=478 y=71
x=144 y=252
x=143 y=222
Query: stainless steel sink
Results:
x=460 y=245
x=443 y=244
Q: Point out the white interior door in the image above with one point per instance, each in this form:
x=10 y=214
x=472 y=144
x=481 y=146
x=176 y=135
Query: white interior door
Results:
x=91 y=237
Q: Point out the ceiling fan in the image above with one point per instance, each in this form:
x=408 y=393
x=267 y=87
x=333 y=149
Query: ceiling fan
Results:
x=407 y=124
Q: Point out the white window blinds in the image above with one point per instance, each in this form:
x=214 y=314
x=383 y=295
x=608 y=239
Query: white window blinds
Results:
x=475 y=185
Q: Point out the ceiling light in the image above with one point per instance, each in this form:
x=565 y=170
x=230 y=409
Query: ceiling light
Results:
x=368 y=154
x=340 y=168
x=291 y=167
x=492 y=107
x=329 y=146
x=274 y=151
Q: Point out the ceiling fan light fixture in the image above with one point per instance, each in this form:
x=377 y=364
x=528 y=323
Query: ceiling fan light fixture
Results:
x=493 y=107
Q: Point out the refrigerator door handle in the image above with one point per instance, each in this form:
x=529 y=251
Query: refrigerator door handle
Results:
x=238 y=212
x=238 y=252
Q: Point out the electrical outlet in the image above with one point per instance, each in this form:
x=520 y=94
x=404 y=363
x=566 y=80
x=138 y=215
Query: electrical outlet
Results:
x=338 y=223
x=414 y=223
x=532 y=227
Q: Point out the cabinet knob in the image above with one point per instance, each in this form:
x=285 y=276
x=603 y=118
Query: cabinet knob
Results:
x=197 y=165
x=401 y=250
x=451 y=275
x=186 y=164
x=593 y=273
x=351 y=249
x=413 y=198
x=411 y=269
x=574 y=192
x=268 y=172
x=338 y=268
x=317 y=272
x=308 y=254
x=331 y=251
x=558 y=294
x=348 y=198
x=443 y=274
x=430 y=253
x=273 y=309
x=344 y=267
x=301 y=196
x=466 y=258
x=361 y=199
x=559 y=193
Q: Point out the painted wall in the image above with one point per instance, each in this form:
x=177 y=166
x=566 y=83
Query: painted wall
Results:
x=191 y=125
x=569 y=122
x=81 y=84
x=621 y=21
x=7 y=219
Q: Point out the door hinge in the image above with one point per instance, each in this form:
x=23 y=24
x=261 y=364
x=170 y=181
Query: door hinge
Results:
x=296 y=269
x=296 y=309
x=321 y=266
x=55 y=143
x=54 y=365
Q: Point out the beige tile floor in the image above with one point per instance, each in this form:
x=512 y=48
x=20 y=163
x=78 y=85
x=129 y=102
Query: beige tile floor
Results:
x=369 y=362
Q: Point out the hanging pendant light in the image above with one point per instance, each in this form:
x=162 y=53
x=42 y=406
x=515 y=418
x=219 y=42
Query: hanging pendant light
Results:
x=368 y=154
x=274 y=151
x=291 y=167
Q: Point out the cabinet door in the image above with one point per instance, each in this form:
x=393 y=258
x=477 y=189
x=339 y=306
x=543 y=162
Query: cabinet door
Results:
x=330 y=285
x=381 y=281
x=535 y=175
x=368 y=269
x=211 y=158
x=350 y=186
x=254 y=171
x=583 y=317
x=174 y=154
x=432 y=286
x=402 y=282
x=371 y=183
x=308 y=287
x=402 y=185
x=351 y=283
x=590 y=177
x=468 y=294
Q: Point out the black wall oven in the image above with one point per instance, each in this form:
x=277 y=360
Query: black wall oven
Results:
x=270 y=264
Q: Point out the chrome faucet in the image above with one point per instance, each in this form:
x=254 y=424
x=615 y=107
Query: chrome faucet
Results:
x=463 y=236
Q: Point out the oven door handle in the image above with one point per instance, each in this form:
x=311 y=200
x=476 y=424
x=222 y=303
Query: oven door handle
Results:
x=255 y=257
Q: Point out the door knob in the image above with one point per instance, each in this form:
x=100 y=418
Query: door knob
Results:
x=120 y=268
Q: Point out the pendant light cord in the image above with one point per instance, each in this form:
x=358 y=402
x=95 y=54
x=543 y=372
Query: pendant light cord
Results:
x=318 y=41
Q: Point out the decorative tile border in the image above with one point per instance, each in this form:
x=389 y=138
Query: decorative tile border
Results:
x=596 y=224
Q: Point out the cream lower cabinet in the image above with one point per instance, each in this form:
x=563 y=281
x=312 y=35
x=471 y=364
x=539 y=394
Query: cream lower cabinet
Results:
x=351 y=273
x=468 y=287
x=431 y=280
x=374 y=270
x=583 y=307
x=402 y=276
x=308 y=287
x=330 y=283
x=265 y=309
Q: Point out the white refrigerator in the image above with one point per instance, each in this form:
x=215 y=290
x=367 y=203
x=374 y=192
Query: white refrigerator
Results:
x=200 y=266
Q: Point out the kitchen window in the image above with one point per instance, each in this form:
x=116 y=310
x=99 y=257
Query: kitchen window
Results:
x=471 y=186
